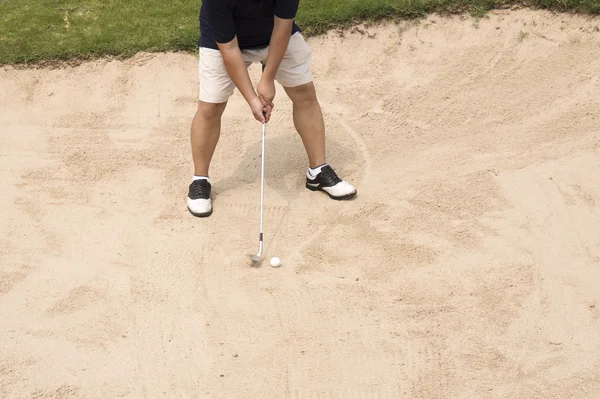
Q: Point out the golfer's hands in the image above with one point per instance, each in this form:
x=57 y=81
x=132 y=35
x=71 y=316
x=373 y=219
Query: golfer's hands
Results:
x=266 y=93
x=261 y=112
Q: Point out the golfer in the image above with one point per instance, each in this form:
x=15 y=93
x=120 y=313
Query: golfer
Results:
x=233 y=35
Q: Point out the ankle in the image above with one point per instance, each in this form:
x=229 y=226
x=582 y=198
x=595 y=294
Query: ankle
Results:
x=316 y=169
x=201 y=177
x=315 y=165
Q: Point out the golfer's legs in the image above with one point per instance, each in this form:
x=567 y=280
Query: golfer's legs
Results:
x=205 y=132
x=295 y=76
x=308 y=120
x=215 y=89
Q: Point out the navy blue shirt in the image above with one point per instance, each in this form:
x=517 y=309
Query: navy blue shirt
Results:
x=250 y=20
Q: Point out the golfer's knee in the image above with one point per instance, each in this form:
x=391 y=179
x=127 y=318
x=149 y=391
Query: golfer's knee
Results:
x=304 y=96
x=210 y=111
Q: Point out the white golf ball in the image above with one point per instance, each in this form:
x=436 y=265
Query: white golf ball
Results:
x=275 y=261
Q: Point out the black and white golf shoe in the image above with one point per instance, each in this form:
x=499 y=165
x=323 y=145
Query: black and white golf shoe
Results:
x=329 y=182
x=198 y=200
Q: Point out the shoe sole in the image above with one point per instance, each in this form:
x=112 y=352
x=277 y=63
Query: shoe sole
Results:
x=343 y=197
x=200 y=215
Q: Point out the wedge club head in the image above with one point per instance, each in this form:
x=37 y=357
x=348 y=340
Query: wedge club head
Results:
x=254 y=258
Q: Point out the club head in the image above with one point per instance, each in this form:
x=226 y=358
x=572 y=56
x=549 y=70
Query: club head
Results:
x=254 y=258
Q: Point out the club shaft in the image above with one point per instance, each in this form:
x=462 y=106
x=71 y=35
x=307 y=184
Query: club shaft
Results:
x=262 y=187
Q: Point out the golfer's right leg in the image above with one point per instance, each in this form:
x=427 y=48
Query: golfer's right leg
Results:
x=215 y=89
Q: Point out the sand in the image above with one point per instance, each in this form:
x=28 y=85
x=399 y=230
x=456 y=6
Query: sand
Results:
x=467 y=267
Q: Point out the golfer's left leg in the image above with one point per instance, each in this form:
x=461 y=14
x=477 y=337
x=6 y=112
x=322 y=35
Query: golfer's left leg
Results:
x=308 y=121
x=295 y=76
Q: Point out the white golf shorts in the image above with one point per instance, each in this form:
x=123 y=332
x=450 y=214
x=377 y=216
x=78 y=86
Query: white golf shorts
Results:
x=216 y=86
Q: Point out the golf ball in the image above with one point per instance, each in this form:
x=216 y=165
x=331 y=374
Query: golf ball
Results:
x=275 y=261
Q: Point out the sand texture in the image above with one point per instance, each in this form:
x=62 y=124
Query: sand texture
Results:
x=467 y=267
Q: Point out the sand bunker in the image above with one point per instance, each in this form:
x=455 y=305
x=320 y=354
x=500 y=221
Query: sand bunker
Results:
x=468 y=266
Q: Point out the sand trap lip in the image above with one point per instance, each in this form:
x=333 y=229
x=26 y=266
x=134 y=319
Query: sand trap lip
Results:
x=467 y=267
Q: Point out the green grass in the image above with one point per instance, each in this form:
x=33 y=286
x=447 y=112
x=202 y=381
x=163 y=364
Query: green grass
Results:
x=50 y=30
x=32 y=30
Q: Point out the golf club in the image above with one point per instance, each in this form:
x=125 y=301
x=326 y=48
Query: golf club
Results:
x=257 y=258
